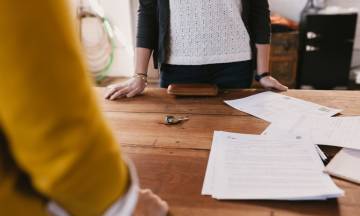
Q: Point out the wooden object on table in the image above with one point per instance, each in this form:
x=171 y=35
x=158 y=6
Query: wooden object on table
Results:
x=171 y=160
x=192 y=90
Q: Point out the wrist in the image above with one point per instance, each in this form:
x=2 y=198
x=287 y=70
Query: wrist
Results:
x=260 y=75
x=141 y=76
x=139 y=72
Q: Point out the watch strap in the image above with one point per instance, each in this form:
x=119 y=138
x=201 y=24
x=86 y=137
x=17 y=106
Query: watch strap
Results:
x=258 y=77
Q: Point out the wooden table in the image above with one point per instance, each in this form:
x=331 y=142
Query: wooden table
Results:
x=171 y=160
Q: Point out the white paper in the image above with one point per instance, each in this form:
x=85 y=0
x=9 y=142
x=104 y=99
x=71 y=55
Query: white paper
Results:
x=269 y=131
x=345 y=165
x=260 y=167
x=335 y=131
x=209 y=175
x=273 y=107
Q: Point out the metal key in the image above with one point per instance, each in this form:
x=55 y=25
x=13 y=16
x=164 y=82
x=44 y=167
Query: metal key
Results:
x=172 y=120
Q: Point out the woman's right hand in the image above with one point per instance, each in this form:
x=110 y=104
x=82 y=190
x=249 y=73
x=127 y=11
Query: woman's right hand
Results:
x=150 y=204
x=130 y=88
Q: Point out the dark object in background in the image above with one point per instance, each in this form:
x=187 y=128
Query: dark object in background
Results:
x=326 y=47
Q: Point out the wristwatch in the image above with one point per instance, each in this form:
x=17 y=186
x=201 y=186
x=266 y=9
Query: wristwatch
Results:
x=258 y=77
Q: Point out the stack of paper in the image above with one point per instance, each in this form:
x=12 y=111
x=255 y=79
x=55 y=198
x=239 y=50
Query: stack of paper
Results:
x=261 y=167
x=293 y=118
x=274 y=107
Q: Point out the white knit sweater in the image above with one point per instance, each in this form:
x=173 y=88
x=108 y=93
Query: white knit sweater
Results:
x=207 y=32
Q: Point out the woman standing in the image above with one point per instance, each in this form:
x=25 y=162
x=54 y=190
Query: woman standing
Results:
x=197 y=41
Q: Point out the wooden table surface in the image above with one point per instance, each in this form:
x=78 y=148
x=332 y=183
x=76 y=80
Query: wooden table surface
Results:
x=171 y=160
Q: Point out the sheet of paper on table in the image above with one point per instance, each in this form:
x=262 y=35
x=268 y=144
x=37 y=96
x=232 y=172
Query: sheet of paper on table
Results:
x=335 y=131
x=269 y=132
x=260 y=167
x=271 y=107
x=345 y=165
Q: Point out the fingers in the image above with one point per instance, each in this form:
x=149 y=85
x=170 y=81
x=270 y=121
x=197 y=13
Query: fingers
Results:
x=111 y=89
x=120 y=93
x=280 y=87
x=148 y=194
x=153 y=205
x=165 y=207
x=110 y=92
x=128 y=89
x=272 y=84
x=133 y=93
x=145 y=191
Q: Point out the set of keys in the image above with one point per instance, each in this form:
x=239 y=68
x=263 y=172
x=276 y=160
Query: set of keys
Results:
x=172 y=120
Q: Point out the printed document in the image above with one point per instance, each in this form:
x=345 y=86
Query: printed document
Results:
x=271 y=107
x=335 y=131
x=260 y=167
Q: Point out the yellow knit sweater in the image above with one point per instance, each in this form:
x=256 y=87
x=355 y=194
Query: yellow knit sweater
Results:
x=57 y=145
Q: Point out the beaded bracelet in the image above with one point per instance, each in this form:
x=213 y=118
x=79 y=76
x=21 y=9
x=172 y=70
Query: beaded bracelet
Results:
x=141 y=76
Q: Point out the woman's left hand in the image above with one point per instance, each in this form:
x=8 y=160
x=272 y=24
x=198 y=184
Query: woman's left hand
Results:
x=270 y=82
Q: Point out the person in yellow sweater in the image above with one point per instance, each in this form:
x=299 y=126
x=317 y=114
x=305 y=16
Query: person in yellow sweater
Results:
x=57 y=155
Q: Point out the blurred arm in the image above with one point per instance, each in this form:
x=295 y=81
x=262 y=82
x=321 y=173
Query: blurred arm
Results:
x=49 y=114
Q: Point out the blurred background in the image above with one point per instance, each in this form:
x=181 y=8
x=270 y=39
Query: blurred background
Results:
x=293 y=54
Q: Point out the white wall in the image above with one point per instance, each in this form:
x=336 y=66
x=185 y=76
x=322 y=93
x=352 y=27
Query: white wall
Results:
x=120 y=13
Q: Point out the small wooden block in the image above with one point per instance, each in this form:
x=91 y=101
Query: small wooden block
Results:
x=193 y=90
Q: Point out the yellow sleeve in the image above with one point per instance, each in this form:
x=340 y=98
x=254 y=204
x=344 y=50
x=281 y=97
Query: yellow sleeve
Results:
x=49 y=113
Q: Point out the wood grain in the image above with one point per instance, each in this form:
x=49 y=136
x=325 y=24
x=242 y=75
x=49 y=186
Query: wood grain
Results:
x=146 y=129
x=156 y=100
x=171 y=160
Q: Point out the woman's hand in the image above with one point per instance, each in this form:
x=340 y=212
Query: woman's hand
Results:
x=149 y=204
x=270 y=82
x=130 y=88
x=135 y=85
